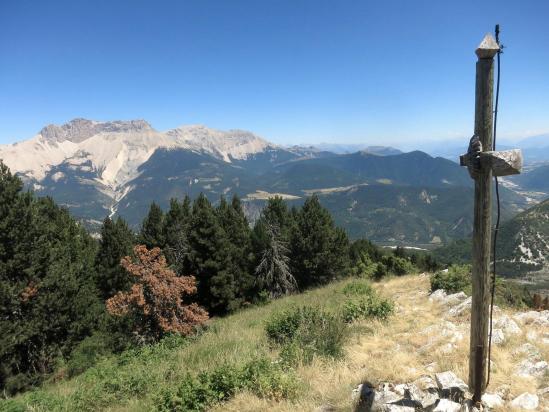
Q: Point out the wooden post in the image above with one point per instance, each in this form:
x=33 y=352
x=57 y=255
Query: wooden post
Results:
x=482 y=226
x=483 y=164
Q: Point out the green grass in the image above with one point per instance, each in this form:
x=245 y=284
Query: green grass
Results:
x=137 y=379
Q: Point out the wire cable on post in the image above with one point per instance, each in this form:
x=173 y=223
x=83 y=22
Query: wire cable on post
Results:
x=496 y=230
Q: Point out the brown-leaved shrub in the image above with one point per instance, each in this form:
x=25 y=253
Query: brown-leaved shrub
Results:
x=157 y=301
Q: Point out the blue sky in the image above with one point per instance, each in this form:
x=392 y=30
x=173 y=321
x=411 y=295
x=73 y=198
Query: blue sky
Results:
x=377 y=72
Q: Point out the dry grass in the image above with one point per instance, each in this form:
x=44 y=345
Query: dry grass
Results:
x=390 y=351
x=397 y=350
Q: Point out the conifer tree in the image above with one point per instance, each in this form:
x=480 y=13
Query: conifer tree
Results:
x=116 y=242
x=176 y=226
x=48 y=302
x=273 y=271
x=152 y=229
x=320 y=252
x=233 y=221
x=274 y=214
x=210 y=260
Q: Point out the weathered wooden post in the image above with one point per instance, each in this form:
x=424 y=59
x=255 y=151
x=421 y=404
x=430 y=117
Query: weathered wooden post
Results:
x=483 y=164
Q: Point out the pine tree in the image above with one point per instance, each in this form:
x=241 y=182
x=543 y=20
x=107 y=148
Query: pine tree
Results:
x=210 y=259
x=116 y=242
x=274 y=214
x=152 y=228
x=233 y=221
x=273 y=271
x=48 y=301
x=320 y=251
x=176 y=226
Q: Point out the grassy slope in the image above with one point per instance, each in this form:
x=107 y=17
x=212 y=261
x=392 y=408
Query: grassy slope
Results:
x=377 y=351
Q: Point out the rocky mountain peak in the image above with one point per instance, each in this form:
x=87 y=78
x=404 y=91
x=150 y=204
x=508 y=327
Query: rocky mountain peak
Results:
x=78 y=130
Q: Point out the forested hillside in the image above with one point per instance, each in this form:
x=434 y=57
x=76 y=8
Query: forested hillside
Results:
x=67 y=299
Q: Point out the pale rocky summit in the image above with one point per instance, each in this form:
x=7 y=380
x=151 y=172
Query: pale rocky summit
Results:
x=78 y=130
x=115 y=150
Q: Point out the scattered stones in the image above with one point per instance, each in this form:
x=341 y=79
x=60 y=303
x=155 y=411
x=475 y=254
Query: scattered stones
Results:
x=438 y=295
x=432 y=367
x=529 y=350
x=492 y=400
x=544 y=392
x=461 y=309
x=426 y=383
x=455 y=298
x=534 y=336
x=498 y=337
x=450 y=385
x=504 y=391
x=526 y=401
x=441 y=296
x=399 y=408
x=507 y=325
x=529 y=368
x=468 y=406
x=533 y=318
x=326 y=408
x=446 y=405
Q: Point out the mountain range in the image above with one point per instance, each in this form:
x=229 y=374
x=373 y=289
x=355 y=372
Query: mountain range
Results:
x=96 y=169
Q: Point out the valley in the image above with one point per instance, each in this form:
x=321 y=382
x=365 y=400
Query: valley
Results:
x=118 y=168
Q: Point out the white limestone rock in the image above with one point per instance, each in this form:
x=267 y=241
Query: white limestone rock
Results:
x=526 y=401
x=455 y=298
x=426 y=383
x=450 y=385
x=498 y=337
x=533 y=318
x=446 y=405
x=461 y=309
x=529 y=368
x=437 y=296
x=507 y=325
x=531 y=352
x=492 y=400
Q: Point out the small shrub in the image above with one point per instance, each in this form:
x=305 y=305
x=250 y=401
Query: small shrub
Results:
x=87 y=353
x=260 y=376
x=191 y=395
x=305 y=332
x=369 y=307
x=456 y=279
x=357 y=288
x=269 y=380
x=380 y=271
x=398 y=265
x=511 y=294
x=282 y=326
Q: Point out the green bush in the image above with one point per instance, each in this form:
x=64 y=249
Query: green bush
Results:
x=282 y=326
x=270 y=380
x=509 y=293
x=260 y=376
x=87 y=353
x=305 y=332
x=398 y=265
x=380 y=271
x=192 y=394
x=357 y=288
x=368 y=307
x=456 y=279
